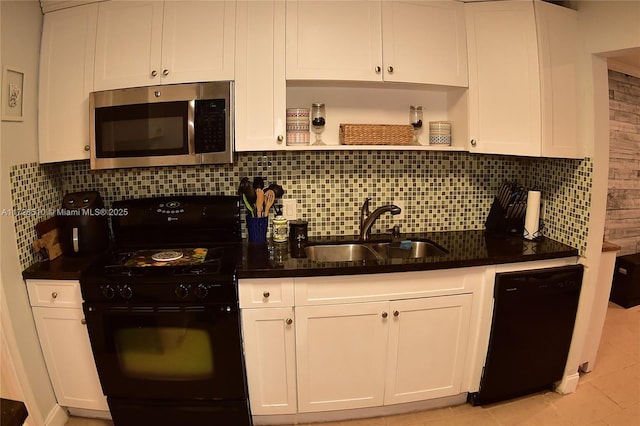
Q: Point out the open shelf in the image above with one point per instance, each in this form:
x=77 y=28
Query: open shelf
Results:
x=381 y=103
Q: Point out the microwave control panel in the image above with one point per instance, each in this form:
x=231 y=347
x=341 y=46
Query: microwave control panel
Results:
x=210 y=125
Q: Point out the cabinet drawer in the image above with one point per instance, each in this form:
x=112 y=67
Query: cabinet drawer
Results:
x=64 y=294
x=263 y=292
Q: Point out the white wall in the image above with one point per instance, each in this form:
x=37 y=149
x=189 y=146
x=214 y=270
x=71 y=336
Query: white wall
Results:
x=21 y=24
x=607 y=28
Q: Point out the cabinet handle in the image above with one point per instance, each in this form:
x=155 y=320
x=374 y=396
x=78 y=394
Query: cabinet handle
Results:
x=390 y=70
x=83 y=321
x=378 y=70
x=384 y=315
x=288 y=321
x=474 y=142
x=54 y=294
x=154 y=73
x=280 y=138
x=266 y=294
x=165 y=73
x=87 y=148
x=396 y=313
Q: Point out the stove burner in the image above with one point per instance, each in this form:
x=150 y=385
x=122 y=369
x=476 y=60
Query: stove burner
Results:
x=167 y=256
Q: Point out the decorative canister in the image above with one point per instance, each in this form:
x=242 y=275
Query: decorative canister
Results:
x=279 y=229
x=297 y=126
x=439 y=133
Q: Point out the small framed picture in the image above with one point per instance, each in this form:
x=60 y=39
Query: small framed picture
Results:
x=12 y=94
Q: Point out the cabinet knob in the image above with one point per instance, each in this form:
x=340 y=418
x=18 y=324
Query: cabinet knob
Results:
x=474 y=142
x=54 y=295
x=83 y=321
x=384 y=315
x=165 y=72
x=87 y=148
x=396 y=313
x=288 y=321
x=266 y=294
x=390 y=70
x=378 y=70
x=280 y=138
x=154 y=73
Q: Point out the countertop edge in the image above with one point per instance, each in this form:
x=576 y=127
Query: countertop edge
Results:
x=408 y=267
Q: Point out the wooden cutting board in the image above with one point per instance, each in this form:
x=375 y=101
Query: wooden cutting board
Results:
x=47 y=243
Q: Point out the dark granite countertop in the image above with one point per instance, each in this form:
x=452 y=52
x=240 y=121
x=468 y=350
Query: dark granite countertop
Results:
x=465 y=249
x=62 y=267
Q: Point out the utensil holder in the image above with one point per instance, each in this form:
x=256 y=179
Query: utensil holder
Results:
x=257 y=229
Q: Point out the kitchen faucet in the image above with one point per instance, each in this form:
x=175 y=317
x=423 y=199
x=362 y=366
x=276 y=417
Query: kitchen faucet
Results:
x=368 y=219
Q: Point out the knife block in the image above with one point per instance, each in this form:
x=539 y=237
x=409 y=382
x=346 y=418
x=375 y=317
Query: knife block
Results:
x=497 y=223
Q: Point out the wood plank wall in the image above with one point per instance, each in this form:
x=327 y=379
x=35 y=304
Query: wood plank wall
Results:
x=622 y=224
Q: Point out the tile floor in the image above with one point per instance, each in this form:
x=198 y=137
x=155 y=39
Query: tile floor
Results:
x=607 y=396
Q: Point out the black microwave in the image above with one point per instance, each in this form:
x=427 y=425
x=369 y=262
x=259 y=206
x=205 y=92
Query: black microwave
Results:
x=178 y=124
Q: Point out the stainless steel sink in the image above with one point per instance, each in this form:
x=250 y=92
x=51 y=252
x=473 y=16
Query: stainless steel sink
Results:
x=340 y=253
x=417 y=249
x=351 y=252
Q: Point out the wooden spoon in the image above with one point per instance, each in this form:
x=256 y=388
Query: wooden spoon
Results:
x=259 y=202
x=269 y=198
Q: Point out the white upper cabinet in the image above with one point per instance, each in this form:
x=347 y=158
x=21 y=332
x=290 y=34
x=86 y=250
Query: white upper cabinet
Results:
x=522 y=78
x=260 y=88
x=66 y=79
x=424 y=42
x=144 y=43
x=559 y=46
x=334 y=40
x=401 y=41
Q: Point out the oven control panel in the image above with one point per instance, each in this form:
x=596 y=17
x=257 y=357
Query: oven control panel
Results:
x=170 y=292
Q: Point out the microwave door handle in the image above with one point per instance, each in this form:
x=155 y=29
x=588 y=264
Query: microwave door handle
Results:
x=74 y=239
x=191 y=137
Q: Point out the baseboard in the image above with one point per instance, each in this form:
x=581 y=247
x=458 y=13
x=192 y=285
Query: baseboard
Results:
x=360 y=413
x=57 y=416
x=94 y=414
x=568 y=384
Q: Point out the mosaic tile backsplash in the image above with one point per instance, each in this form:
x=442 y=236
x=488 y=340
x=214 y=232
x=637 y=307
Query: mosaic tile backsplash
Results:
x=440 y=190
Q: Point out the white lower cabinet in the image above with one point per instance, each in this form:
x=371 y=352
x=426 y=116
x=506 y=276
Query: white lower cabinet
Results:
x=57 y=310
x=341 y=354
x=427 y=347
x=372 y=354
x=269 y=345
x=315 y=344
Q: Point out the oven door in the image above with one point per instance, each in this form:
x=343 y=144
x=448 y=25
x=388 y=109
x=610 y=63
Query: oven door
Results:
x=163 y=351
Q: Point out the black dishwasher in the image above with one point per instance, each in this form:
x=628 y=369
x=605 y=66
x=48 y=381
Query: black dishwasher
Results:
x=533 y=317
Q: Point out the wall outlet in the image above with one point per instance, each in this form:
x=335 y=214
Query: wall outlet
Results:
x=400 y=216
x=290 y=208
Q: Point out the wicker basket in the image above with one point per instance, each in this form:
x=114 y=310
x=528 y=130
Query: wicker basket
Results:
x=376 y=134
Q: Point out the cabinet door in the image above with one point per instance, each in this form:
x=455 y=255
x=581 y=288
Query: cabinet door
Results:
x=128 y=44
x=424 y=42
x=427 y=347
x=504 y=79
x=67 y=353
x=269 y=344
x=66 y=79
x=558 y=49
x=334 y=40
x=341 y=352
x=198 y=41
x=260 y=85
